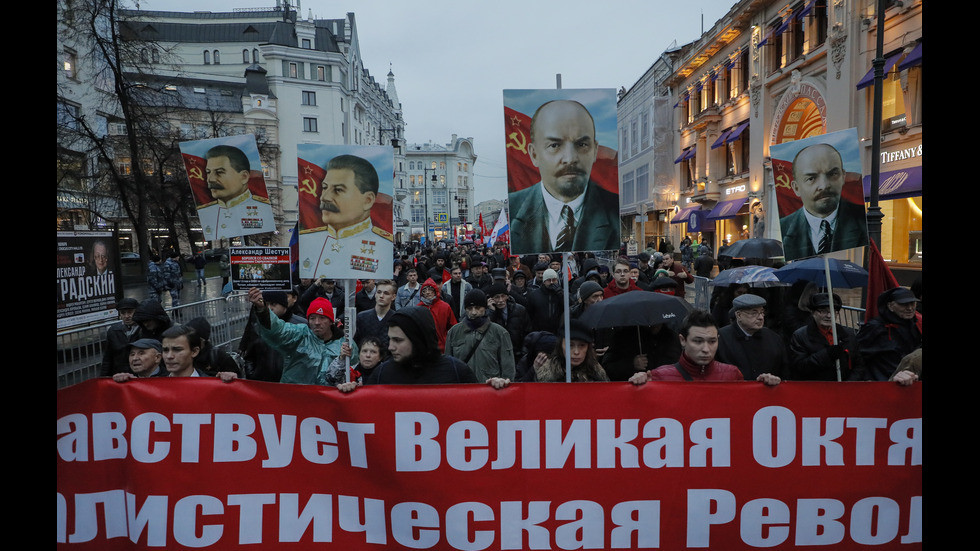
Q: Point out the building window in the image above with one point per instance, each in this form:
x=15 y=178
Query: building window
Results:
x=245 y=57
x=442 y=165
x=217 y=57
x=642 y=183
x=309 y=98
x=438 y=196
x=818 y=24
x=309 y=124
x=796 y=37
x=627 y=191
x=124 y=166
x=644 y=129
x=466 y=167
x=293 y=70
x=207 y=57
x=634 y=137
x=418 y=215
x=67 y=115
x=321 y=73
x=743 y=71
x=624 y=146
x=255 y=55
x=307 y=44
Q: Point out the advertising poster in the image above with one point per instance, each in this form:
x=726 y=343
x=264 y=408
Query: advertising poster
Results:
x=562 y=179
x=819 y=194
x=88 y=289
x=229 y=190
x=345 y=211
x=264 y=267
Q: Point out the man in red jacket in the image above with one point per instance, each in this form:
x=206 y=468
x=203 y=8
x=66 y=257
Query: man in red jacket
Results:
x=621 y=281
x=699 y=344
x=442 y=313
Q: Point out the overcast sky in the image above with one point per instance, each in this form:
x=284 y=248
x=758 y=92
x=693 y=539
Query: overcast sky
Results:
x=452 y=59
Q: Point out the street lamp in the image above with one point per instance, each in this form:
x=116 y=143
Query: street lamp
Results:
x=426 y=188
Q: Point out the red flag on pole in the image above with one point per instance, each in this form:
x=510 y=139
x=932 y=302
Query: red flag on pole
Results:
x=880 y=279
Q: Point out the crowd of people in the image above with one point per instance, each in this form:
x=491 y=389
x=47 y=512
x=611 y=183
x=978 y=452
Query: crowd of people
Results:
x=465 y=314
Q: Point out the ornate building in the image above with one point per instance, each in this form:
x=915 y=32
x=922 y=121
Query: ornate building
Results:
x=440 y=188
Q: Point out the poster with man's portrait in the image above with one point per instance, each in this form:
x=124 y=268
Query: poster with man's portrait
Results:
x=819 y=194
x=229 y=190
x=345 y=211
x=562 y=170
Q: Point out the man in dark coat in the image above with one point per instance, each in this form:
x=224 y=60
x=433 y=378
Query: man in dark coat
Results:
x=895 y=333
x=415 y=356
x=115 y=356
x=505 y=311
x=748 y=343
x=812 y=353
x=546 y=304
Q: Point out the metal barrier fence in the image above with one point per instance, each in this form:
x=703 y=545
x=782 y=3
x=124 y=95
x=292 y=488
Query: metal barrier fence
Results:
x=80 y=350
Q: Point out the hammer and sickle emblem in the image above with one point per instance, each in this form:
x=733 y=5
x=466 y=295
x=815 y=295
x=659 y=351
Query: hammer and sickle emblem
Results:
x=782 y=181
x=196 y=173
x=308 y=185
x=519 y=141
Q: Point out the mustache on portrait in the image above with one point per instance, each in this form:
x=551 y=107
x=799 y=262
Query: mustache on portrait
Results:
x=329 y=207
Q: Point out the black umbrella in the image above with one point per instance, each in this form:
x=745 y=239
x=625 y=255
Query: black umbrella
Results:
x=754 y=248
x=636 y=308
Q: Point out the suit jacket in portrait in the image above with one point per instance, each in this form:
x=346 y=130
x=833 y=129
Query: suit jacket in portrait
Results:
x=851 y=231
x=598 y=230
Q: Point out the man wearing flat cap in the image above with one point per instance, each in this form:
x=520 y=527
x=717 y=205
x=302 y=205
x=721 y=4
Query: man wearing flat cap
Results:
x=895 y=333
x=813 y=353
x=145 y=360
x=748 y=343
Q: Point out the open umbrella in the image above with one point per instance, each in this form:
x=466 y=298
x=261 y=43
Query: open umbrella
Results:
x=756 y=247
x=636 y=308
x=753 y=276
x=843 y=273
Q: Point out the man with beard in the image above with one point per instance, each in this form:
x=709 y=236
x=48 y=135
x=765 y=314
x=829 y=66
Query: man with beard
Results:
x=349 y=241
x=566 y=210
x=481 y=344
x=824 y=223
x=415 y=356
x=308 y=349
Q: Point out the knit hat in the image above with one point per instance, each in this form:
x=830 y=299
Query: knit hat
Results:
x=496 y=289
x=322 y=307
x=475 y=297
x=274 y=297
x=549 y=274
x=588 y=288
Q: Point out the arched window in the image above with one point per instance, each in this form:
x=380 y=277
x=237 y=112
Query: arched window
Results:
x=255 y=55
x=217 y=57
x=245 y=56
x=207 y=57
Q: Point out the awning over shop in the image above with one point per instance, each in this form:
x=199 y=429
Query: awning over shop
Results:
x=914 y=58
x=869 y=78
x=684 y=214
x=896 y=184
x=726 y=209
x=737 y=132
x=686 y=154
x=721 y=139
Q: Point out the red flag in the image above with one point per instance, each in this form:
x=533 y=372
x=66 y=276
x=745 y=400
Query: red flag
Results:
x=483 y=229
x=880 y=279
x=521 y=172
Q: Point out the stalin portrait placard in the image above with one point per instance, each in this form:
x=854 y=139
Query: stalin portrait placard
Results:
x=345 y=211
x=226 y=181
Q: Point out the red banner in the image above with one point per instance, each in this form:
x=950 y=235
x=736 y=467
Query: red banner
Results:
x=181 y=463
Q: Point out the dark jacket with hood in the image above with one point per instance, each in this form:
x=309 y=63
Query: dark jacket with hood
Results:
x=886 y=339
x=427 y=365
x=152 y=310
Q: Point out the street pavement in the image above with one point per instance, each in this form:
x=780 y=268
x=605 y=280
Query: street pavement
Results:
x=191 y=292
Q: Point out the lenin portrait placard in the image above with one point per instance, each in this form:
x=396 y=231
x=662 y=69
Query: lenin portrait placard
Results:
x=562 y=170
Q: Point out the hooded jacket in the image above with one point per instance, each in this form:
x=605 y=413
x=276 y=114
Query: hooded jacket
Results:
x=427 y=364
x=442 y=314
x=152 y=310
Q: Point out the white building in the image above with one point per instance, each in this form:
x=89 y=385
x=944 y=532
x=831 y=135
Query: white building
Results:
x=440 y=187
x=317 y=87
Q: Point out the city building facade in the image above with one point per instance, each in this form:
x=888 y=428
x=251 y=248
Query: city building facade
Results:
x=304 y=74
x=440 y=189
x=767 y=73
